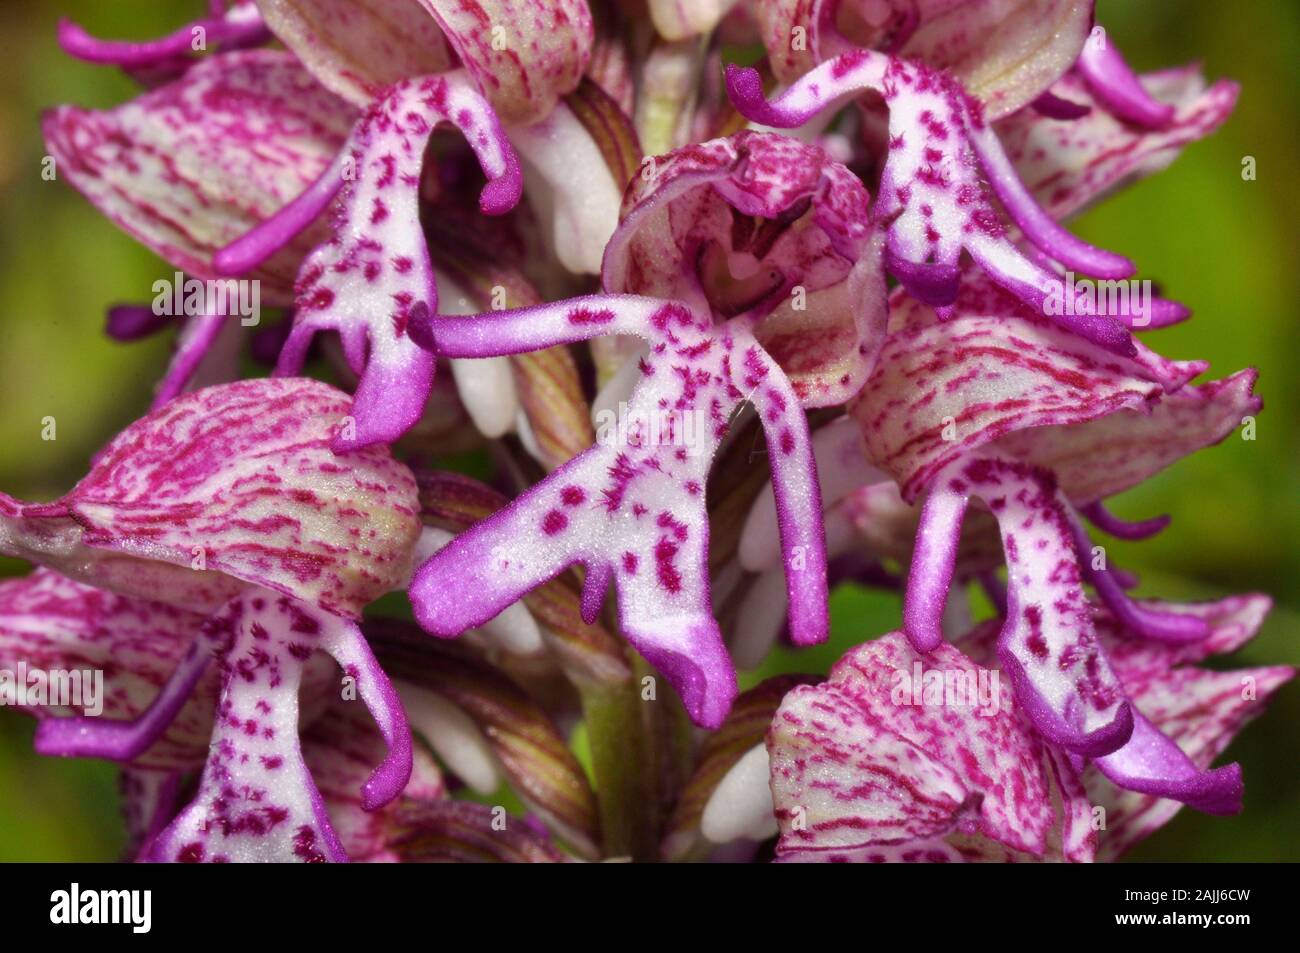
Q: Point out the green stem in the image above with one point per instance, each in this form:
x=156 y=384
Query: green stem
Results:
x=624 y=768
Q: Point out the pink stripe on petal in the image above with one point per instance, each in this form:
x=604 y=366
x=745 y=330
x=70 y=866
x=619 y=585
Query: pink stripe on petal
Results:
x=230 y=486
x=50 y=622
x=358 y=50
x=1068 y=166
x=523 y=54
x=965 y=717
x=841 y=779
x=175 y=167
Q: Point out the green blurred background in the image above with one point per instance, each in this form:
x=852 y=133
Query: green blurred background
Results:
x=1223 y=245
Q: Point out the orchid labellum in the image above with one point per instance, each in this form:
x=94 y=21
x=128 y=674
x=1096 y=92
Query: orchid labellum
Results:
x=742 y=306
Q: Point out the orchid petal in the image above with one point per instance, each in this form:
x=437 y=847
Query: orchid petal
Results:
x=931 y=191
x=1112 y=525
x=369 y=281
x=241 y=25
x=637 y=510
x=762 y=222
x=1029 y=375
x=256 y=799
x=978 y=732
x=192 y=348
x=229 y=486
x=933 y=560
x=131 y=322
x=1117 y=87
x=1141 y=621
x=1047 y=644
x=1194 y=712
x=1067 y=166
x=841 y=779
x=573 y=187
x=358 y=52
x=174 y=168
x=523 y=54
x=1100 y=457
x=1150 y=763
x=50 y=622
x=1006 y=54
x=87 y=737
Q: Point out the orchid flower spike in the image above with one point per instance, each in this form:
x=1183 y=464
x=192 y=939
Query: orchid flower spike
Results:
x=229 y=501
x=728 y=228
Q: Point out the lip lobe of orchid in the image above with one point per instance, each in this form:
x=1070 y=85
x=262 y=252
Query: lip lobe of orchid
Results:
x=635 y=513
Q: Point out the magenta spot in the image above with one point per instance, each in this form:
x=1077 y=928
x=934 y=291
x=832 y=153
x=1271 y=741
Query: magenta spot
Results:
x=630 y=563
x=554 y=522
x=582 y=316
x=572 y=495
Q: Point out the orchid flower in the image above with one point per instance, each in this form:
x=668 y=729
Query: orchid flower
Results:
x=228 y=501
x=942 y=146
x=714 y=243
x=51 y=623
x=868 y=766
x=375 y=275
x=1059 y=422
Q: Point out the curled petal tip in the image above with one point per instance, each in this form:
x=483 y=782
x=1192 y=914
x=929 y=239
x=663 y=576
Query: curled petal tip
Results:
x=420 y=327
x=1119 y=89
x=1054 y=107
x=129 y=322
x=502 y=194
x=935 y=284
x=745 y=87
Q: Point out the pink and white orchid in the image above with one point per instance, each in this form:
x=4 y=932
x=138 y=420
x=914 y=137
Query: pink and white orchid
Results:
x=721 y=377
